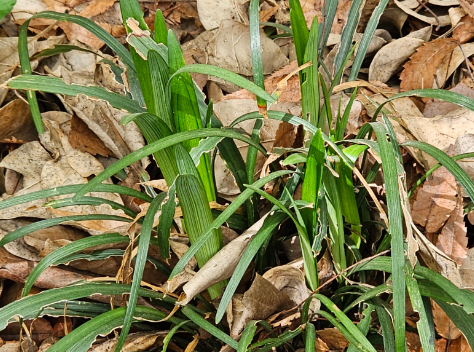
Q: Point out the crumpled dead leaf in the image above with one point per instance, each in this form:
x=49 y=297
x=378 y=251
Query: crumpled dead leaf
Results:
x=135 y=342
x=260 y=301
x=444 y=326
x=16 y=122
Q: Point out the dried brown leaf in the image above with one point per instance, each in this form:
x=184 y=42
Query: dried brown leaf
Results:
x=435 y=201
x=444 y=326
x=465 y=31
x=420 y=71
x=84 y=139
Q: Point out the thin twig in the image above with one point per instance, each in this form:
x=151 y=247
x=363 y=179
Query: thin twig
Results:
x=431 y=12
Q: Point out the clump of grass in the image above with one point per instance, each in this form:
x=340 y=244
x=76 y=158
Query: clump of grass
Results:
x=331 y=217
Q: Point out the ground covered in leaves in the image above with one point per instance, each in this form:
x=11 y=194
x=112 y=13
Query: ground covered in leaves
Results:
x=418 y=44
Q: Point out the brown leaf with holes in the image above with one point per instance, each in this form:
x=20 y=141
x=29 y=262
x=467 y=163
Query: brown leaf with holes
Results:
x=419 y=72
x=435 y=201
x=82 y=138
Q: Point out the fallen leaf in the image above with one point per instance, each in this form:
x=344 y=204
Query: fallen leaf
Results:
x=451 y=62
x=444 y=326
x=465 y=31
x=135 y=342
x=419 y=72
x=212 y=13
x=452 y=239
x=435 y=107
x=333 y=338
x=290 y=280
x=260 y=301
x=16 y=122
x=435 y=200
x=96 y=7
x=222 y=265
x=230 y=49
x=391 y=58
x=413 y=342
x=82 y=138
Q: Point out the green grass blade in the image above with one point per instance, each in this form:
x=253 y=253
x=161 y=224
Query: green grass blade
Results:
x=6 y=7
x=161 y=32
x=386 y=325
x=395 y=217
x=252 y=205
x=161 y=144
x=94 y=201
x=225 y=75
x=56 y=221
x=247 y=336
x=211 y=329
x=462 y=320
x=423 y=325
x=364 y=324
x=166 y=220
x=310 y=337
x=459 y=296
x=348 y=33
x=221 y=219
x=272 y=343
x=31 y=305
x=62 y=48
x=140 y=260
x=82 y=337
x=186 y=110
x=461 y=176
x=363 y=343
x=326 y=25
x=341 y=125
x=197 y=220
x=445 y=95
x=159 y=75
x=312 y=183
x=300 y=31
x=57 y=86
x=255 y=51
x=366 y=38
x=57 y=191
x=69 y=249
x=169 y=336
x=310 y=86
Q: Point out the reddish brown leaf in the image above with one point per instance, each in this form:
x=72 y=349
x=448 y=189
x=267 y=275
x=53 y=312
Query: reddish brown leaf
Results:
x=285 y=135
x=435 y=201
x=464 y=32
x=82 y=138
x=453 y=240
x=420 y=71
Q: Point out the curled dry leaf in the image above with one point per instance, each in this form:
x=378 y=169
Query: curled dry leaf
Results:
x=230 y=49
x=290 y=280
x=260 y=301
x=435 y=200
x=451 y=62
x=420 y=71
x=222 y=265
x=465 y=31
x=212 y=12
x=333 y=338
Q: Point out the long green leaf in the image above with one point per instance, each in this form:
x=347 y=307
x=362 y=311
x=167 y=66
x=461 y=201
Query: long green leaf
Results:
x=395 y=217
x=68 y=249
x=56 y=221
x=30 y=305
x=228 y=76
x=221 y=219
x=300 y=30
x=247 y=336
x=6 y=7
x=140 y=260
x=166 y=142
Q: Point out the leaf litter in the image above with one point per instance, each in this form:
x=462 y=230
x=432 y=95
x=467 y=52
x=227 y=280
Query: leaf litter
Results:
x=84 y=136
